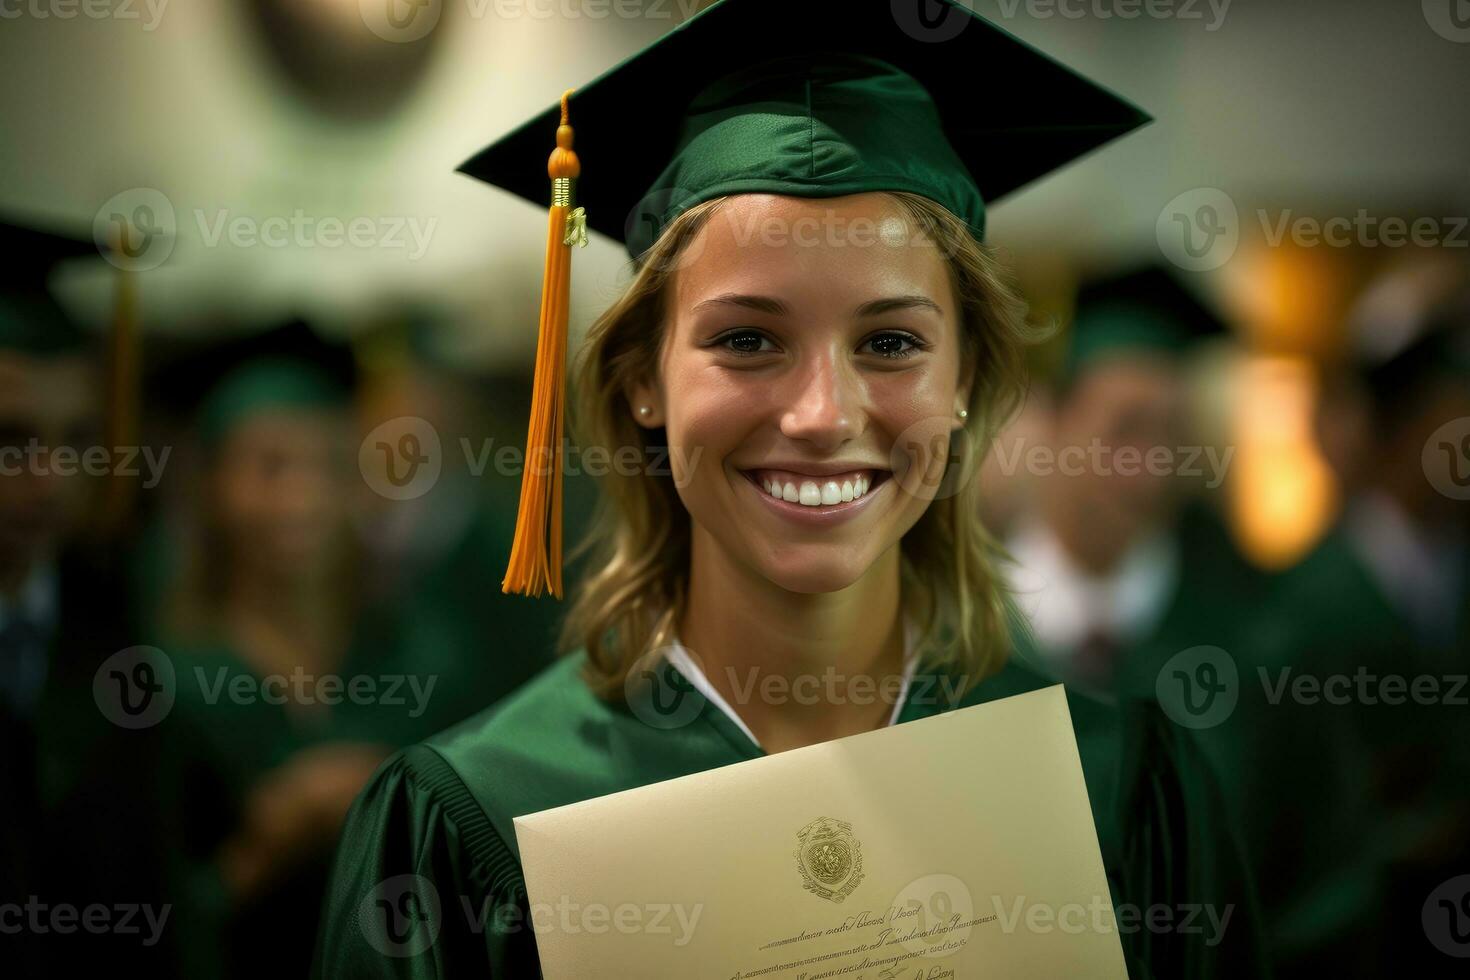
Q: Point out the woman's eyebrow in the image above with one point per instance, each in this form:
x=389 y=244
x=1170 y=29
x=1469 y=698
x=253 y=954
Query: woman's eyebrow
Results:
x=763 y=304
x=880 y=306
x=768 y=304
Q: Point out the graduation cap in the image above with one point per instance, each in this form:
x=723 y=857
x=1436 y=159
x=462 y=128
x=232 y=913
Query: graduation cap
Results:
x=845 y=98
x=1141 y=310
x=31 y=321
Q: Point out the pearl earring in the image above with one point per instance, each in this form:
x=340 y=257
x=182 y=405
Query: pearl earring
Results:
x=644 y=409
x=964 y=413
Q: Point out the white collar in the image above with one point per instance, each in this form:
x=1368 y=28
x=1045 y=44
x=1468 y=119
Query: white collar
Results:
x=1063 y=602
x=685 y=664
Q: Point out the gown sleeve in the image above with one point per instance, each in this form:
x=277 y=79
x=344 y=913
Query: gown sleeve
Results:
x=422 y=885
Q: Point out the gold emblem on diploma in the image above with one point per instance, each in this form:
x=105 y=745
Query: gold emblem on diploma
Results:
x=829 y=858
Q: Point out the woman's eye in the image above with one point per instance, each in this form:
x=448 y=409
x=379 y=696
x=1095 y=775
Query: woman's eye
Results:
x=892 y=344
x=745 y=342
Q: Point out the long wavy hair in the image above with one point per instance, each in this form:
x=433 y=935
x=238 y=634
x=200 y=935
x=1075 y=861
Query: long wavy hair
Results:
x=638 y=544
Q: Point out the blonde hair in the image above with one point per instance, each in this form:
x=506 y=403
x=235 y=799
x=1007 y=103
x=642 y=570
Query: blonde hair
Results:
x=633 y=594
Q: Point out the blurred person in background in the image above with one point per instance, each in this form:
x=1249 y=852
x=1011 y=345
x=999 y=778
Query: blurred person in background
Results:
x=301 y=567
x=1122 y=561
x=78 y=828
x=1118 y=568
x=260 y=763
x=1376 y=618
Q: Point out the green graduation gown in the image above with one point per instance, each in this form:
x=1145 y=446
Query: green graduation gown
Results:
x=217 y=748
x=1348 y=800
x=443 y=810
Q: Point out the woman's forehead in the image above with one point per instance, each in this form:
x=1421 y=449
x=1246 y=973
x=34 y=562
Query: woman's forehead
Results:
x=849 y=249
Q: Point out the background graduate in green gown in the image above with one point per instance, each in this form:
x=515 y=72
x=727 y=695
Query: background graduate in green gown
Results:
x=752 y=361
x=1122 y=562
x=78 y=827
x=293 y=680
x=1374 y=783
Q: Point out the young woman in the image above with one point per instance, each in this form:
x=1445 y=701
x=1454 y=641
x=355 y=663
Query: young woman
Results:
x=256 y=785
x=820 y=346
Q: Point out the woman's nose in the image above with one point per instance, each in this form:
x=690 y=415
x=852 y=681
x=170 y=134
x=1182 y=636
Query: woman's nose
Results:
x=823 y=405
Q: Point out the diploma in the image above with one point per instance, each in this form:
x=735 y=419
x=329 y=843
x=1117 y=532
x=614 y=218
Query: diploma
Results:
x=960 y=845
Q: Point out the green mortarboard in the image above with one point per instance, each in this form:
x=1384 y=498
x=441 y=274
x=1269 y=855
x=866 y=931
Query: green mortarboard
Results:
x=855 y=96
x=31 y=321
x=1145 y=309
x=808 y=98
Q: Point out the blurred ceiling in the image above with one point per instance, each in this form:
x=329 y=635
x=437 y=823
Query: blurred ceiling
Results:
x=1319 y=108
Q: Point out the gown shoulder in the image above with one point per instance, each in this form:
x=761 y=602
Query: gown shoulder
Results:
x=427 y=881
x=422 y=884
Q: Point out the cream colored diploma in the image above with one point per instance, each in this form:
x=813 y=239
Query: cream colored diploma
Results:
x=959 y=845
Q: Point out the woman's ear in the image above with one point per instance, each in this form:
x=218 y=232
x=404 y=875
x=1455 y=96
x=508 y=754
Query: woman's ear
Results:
x=647 y=404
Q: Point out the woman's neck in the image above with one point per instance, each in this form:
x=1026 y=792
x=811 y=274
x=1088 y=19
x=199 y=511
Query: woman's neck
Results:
x=798 y=668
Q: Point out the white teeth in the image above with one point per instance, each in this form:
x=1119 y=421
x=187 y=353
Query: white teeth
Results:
x=813 y=493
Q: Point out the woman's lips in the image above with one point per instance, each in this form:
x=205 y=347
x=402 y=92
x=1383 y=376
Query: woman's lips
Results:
x=816 y=514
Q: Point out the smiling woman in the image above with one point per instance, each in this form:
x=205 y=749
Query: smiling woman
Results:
x=871 y=362
x=818 y=340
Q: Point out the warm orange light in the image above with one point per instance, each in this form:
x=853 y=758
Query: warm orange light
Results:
x=1283 y=495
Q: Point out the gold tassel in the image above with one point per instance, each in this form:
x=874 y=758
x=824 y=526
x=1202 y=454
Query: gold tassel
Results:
x=535 y=554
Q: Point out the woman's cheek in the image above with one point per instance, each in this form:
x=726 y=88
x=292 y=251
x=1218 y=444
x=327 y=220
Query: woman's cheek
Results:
x=711 y=415
x=919 y=420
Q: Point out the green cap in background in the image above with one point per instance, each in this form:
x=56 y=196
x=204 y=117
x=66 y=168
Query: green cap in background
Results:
x=1144 y=310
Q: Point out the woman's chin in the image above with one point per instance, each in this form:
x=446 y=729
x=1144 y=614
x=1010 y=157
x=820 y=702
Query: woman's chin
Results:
x=815 y=577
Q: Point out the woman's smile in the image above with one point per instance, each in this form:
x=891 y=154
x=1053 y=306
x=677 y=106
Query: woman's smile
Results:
x=821 y=499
